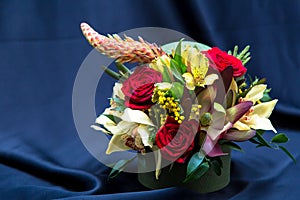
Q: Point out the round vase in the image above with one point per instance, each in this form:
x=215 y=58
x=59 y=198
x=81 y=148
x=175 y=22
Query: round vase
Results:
x=173 y=176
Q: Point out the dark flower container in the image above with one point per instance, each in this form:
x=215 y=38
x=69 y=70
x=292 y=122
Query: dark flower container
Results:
x=174 y=176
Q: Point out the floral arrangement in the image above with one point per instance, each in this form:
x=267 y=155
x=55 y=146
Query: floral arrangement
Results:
x=187 y=104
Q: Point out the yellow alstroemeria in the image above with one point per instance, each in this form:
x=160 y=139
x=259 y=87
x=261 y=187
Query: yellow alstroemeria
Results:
x=197 y=65
x=159 y=63
x=257 y=116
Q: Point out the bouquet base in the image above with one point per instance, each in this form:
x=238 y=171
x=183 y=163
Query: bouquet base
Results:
x=172 y=177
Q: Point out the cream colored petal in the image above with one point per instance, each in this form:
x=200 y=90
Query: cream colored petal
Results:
x=136 y=116
x=144 y=133
x=257 y=122
x=264 y=109
x=98 y=128
x=184 y=54
x=103 y=120
x=256 y=93
x=107 y=123
x=193 y=58
x=111 y=111
x=123 y=127
x=233 y=86
x=117 y=92
x=189 y=80
x=157 y=65
x=210 y=79
x=241 y=126
x=158 y=160
x=165 y=60
x=116 y=144
x=163 y=86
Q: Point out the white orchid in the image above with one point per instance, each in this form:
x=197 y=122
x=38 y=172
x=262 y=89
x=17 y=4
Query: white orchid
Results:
x=257 y=116
x=107 y=122
x=133 y=123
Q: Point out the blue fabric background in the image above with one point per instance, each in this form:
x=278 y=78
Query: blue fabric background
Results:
x=41 y=49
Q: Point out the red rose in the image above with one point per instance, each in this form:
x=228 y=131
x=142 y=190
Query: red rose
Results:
x=138 y=88
x=176 y=140
x=221 y=60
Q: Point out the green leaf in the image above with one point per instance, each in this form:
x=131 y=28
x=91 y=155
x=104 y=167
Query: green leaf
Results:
x=200 y=171
x=177 y=56
x=288 y=153
x=262 y=140
x=231 y=145
x=111 y=73
x=260 y=145
x=235 y=51
x=280 y=138
x=194 y=163
x=177 y=90
x=262 y=81
x=113 y=118
x=123 y=68
x=118 y=100
x=176 y=70
x=120 y=104
x=166 y=75
x=266 y=97
x=243 y=53
x=217 y=165
x=253 y=140
x=119 y=167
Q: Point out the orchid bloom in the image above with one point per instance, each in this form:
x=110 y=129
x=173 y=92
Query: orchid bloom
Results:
x=197 y=65
x=257 y=116
x=134 y=123
x=103 y=119
x=221 y=121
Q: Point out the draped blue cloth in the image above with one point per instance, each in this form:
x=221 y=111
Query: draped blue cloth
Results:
x=42 y=48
